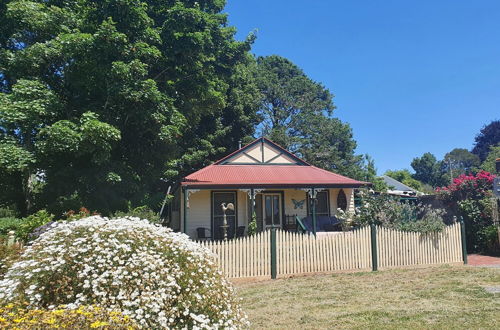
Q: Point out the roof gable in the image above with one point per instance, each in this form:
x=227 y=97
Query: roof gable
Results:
x=261 y=152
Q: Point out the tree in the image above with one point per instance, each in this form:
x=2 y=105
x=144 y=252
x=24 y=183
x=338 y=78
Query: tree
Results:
x=489 y=164
x=459 y=161
x=427 y=169
x=328 y=143
x=405 y=177
x=101 y=100
x=296 y=112
x=288 y=97
x=487 y=137
x=378 y=184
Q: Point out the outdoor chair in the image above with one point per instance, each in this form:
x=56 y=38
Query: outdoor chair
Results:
x=202 y=233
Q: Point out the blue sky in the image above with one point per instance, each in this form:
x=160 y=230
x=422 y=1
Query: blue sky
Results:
x=408 y=76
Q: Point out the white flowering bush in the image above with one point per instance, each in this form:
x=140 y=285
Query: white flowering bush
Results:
x=159 y=278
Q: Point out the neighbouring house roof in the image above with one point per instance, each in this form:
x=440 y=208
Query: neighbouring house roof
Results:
x=263 y=163
x=398 y=188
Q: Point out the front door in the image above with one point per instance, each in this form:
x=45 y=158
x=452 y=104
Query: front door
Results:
x=271 y=210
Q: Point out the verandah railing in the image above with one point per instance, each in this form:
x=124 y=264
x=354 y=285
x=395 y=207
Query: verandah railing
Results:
x=277 y=253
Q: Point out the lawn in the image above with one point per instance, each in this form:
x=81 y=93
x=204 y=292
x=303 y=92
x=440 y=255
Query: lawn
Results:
x=433 y=297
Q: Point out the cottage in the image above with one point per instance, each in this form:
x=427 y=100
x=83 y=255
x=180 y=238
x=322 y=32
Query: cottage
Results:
x=264 y=180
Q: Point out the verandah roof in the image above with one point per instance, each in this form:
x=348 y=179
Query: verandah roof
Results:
x=268 y=175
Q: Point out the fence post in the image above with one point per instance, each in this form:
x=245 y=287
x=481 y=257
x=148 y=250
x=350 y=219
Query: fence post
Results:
x=273 y=253
x=464 y=244
x=373 y=230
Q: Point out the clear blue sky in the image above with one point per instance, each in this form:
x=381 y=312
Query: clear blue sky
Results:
x=408 y=76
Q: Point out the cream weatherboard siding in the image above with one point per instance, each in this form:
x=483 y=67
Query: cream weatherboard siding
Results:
x=298 y=195
x=199 y=210
x=349 y=192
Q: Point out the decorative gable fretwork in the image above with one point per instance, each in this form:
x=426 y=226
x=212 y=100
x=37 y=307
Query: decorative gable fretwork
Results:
x=262 y=151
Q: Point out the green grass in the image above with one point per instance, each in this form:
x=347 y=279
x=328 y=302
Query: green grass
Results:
x=433 y=297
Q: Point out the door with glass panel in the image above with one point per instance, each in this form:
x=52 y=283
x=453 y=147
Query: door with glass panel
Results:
x=271 y=210
x=218 y=214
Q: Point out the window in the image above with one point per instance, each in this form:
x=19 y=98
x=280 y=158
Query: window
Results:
x=342 y=200
x=322 y=204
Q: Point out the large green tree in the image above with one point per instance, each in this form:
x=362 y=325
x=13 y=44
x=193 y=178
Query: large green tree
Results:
x=428 y=170
x=489 y=164
x=488 y=137
x=459 y=161
x=296 y=112
x=100 y=100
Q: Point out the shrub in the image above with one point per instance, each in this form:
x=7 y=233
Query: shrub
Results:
x=141 y=212
x=30 y=223
x=9 y=224
x=9 y=253
x=470 y=197
x=390 y=212
x=82 y=213
x=7 y=212
x=157 y=277
x=84 y=317
x=252 y=226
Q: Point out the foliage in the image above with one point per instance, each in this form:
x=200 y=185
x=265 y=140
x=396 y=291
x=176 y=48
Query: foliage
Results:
x=368 y=167
x=469 y=186
x=390 y=212
x=157 y=277
x=9 y=224
x=489 y=163
x=30 y=223
x=7 y=212
x=296 y=112
x=459 y=161
x=405 y=177
x=488 y=136
x=141 y=212
x=470 y=196
x=103 y=99
x=10 y=252
x=83 y=212
x=289 y=97
x=252 y=226
x=428 y=170
x=84 y=317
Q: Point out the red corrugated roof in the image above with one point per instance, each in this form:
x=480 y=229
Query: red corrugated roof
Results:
x=267 y=175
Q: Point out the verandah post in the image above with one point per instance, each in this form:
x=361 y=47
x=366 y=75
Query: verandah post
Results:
x=464 y=241
x=185 y=209
x=313 y=208
x=273 y=253
x=252 y=204
x=373 y=230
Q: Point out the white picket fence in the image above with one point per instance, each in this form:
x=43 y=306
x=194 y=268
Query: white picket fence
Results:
x=329 y=252
x=338 y=251
x=396 y=248
x=245 y=256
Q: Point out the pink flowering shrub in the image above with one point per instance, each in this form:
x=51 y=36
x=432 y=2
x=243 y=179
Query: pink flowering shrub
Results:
x=469 y=186
x=159 y=278
x=470 y=197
